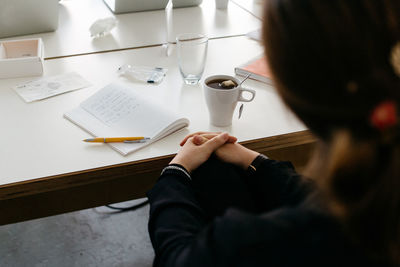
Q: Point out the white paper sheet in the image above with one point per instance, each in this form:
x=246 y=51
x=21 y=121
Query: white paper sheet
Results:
x=51 y=86
x=255 y=35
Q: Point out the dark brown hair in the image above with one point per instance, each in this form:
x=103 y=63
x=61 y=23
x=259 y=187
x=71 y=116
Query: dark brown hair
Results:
x=331 y=64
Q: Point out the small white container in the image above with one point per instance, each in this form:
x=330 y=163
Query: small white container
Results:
x=20 y=58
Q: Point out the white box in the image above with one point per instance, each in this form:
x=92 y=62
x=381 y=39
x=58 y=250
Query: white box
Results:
x=19 y=17
x=19 y=58
x=125 y=6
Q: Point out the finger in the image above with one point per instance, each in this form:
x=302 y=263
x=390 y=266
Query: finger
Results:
x=219 y=140
x=231 y=138
x=189 y=136
x=185 y=139
x=193 y=134
x=199 y=140
x=190 y=140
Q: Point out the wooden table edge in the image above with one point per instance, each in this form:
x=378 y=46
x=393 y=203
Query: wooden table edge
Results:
x=110 y=184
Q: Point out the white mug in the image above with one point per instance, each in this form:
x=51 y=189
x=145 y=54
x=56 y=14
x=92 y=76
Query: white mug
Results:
x=221 y=103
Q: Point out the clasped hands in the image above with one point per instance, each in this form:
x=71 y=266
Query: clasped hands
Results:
x=198 y=147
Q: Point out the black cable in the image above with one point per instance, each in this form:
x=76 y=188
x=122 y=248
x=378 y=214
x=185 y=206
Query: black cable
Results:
x=134 y=207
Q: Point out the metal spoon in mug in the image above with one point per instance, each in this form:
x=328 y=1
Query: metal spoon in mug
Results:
x=241 y=106
x=245 y=78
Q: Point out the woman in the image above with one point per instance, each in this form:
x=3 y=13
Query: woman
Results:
x=336 y=64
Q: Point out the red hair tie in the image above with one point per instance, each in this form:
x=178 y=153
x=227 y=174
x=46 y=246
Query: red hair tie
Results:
x=384 y=115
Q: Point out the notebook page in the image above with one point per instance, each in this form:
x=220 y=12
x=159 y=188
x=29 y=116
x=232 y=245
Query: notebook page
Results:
x=126 y=113
x=117 y=111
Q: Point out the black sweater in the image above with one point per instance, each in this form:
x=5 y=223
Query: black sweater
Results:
x=228 y=217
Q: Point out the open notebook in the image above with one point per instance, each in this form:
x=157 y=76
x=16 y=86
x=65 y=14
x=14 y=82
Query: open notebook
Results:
x=117 y=111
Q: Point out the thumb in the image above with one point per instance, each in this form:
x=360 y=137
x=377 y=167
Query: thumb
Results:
x=217 y=141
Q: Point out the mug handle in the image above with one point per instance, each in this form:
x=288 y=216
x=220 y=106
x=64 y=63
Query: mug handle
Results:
x=251 y=91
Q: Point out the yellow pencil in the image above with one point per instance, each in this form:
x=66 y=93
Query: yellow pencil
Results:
x=137 y=139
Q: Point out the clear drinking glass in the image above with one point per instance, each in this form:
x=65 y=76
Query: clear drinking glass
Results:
x=192 y=54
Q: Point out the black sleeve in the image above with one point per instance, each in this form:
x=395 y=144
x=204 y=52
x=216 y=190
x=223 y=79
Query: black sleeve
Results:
x=275 y=184
x=181 y=236
x=266 y=185
x=175 y=220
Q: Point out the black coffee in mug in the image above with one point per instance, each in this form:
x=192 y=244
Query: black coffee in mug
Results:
x=222 y=84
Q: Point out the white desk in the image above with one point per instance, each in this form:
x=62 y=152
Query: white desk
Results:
x=255 y=7
x=33 y=131
x=137 y=29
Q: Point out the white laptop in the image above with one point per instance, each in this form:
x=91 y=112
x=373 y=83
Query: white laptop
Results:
x=18 y=17
x=125 y=6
